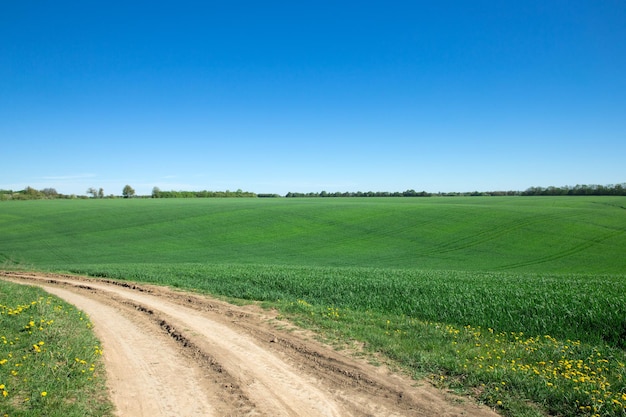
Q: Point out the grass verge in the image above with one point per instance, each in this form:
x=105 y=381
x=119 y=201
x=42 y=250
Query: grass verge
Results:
x=514 y=373
x=50 y=361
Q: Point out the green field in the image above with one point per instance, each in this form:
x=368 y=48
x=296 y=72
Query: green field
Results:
x=543 y=234
x=433 y=283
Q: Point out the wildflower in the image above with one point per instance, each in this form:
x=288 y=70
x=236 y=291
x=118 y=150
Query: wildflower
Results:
x=44 y=393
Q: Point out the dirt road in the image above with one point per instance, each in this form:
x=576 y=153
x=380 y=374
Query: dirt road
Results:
x=169 y=353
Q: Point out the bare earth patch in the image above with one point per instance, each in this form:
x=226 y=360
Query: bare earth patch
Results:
x=170 y=353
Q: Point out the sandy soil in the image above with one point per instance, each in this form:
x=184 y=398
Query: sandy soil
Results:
x=169 y=353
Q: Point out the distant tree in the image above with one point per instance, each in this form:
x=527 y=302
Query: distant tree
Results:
x=92 y=191
x=50 y=192
x=156 y=192
x=31 y=192
x=101 y=193
x=128 y=191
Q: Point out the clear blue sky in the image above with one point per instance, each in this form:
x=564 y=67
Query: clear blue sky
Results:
x=278 y=96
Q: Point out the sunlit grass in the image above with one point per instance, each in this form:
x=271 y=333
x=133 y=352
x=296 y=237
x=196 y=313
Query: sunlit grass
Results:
x=512 y=372
x=50 y=362
x=521 y=234
x=590 y=308
x=568 y=377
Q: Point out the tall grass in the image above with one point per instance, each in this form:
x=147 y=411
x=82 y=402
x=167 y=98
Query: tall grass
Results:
x=591 y=308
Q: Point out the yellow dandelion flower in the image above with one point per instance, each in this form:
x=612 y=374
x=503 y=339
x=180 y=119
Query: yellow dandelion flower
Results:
x=44 y=393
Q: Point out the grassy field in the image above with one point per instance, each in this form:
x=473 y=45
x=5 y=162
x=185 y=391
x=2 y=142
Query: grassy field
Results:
x=542 y=234
x=502 y=296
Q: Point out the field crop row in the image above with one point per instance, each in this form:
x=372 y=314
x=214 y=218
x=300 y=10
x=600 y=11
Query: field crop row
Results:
x=578 y=307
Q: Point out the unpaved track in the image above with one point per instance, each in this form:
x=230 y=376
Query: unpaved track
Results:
x=169 y=353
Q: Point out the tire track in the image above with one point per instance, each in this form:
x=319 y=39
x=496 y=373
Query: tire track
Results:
x=564 y=253
x=171 y=353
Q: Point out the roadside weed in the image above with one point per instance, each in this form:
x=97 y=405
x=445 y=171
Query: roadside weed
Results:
x=49 y=360
x=503 y=370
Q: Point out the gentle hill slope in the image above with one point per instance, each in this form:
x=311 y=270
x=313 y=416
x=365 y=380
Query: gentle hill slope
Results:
x=543 y=234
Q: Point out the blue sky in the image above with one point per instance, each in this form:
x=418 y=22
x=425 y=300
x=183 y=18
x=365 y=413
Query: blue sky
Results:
x=281 y=96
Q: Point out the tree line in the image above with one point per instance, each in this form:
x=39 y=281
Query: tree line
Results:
x=30 y=193
x=407 y=193
x=593 y=189
x=157 y=193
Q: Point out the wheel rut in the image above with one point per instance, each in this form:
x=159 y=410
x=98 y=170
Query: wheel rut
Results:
x=170 y=353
